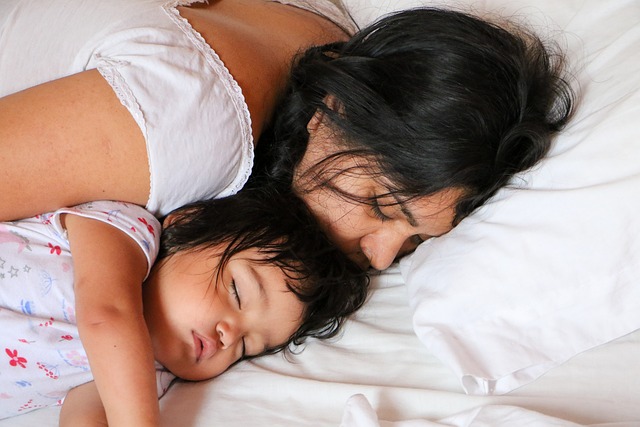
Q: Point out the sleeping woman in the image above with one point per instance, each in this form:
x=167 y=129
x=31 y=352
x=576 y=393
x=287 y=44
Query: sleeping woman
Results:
x=87 y=320
x=391 y=136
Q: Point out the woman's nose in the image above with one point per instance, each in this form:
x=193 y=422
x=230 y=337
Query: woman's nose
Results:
x=382 y=248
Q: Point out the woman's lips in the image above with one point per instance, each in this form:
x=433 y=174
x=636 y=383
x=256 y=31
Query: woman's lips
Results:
x=204 y=347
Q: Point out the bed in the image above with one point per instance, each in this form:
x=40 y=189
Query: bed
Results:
x=528 y=313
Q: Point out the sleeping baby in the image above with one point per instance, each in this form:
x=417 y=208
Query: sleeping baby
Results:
x=88 y=318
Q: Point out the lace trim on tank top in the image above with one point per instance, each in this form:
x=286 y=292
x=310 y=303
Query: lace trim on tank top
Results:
x=237 y=98
x=326 y=9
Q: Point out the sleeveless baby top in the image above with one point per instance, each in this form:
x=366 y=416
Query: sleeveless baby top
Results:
x=41 y=355
x=189 y=107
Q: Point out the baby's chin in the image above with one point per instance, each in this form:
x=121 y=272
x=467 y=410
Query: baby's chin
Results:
x=192 y=372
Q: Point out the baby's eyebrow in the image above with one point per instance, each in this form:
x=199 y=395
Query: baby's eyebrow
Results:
x=263 y=297
x=258 y=281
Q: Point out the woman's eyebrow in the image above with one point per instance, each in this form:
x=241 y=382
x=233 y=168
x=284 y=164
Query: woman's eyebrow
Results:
x=405 y=211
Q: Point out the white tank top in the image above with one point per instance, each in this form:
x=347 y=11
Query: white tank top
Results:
x=189 y=107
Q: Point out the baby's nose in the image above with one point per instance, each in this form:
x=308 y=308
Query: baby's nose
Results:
x=227 y=334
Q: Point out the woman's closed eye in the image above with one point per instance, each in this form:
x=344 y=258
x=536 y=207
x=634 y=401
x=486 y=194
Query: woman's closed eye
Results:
x=234 y=291
x=377 y=210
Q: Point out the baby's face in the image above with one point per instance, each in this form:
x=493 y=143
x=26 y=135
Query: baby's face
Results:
x=201 y=323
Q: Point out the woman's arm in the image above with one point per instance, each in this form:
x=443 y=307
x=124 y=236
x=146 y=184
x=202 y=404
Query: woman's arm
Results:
x=66 y=142
x=83 y=408
x=109 y=269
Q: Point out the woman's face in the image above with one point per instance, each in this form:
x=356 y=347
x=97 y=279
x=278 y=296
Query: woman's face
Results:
x=371 y=234
x=202 y=323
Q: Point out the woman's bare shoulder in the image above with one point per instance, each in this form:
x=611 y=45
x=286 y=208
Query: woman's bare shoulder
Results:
x=258 y=40
x=66 y=142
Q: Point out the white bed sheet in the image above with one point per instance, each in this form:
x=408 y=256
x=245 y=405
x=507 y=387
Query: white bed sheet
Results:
x=380 y=357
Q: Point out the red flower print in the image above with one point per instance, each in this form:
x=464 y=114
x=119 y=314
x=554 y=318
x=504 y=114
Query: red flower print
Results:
x=50 y=371
x=66 y=338
x=47 y=323
x=44 y=219
x=55 y=249
x=149 y=226
x=15 y=359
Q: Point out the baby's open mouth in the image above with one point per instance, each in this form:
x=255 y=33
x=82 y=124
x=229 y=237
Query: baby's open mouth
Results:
x=204 y=347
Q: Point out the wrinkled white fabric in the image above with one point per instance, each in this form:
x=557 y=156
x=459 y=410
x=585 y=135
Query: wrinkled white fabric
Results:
x=549 y=268
x=359 y=413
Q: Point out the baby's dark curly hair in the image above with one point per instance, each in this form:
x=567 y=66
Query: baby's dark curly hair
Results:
x=330 y=285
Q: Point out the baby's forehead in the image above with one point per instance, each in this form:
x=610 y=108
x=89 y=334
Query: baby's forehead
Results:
x=283 y=316
x=275 y=277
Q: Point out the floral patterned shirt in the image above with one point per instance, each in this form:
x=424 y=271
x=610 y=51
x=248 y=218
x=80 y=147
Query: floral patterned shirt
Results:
x=41 y=356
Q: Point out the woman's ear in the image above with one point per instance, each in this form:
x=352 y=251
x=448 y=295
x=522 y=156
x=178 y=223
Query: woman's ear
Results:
x=177 y=215
x=169 y=219
x=315 y=122
x=317 y=119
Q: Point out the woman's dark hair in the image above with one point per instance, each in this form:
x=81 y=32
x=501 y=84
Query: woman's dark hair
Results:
x=437 y=99
x=330 y=285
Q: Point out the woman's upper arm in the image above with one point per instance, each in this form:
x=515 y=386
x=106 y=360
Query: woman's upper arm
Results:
x=66 y=142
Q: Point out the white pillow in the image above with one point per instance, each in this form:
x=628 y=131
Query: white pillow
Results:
x=552 y=268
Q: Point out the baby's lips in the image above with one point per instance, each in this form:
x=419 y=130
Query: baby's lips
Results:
x=205 y=347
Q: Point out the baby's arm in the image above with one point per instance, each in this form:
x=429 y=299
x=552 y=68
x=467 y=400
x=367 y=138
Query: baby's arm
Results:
x=109 y=270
